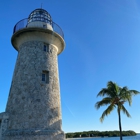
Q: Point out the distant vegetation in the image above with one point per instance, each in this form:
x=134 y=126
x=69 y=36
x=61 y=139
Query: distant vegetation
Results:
x=100 y=134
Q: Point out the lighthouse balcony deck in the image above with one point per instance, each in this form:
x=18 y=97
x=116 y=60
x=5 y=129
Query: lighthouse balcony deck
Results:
x=46 y=24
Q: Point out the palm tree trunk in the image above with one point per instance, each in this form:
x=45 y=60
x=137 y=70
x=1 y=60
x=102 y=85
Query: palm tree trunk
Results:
x=120 y=127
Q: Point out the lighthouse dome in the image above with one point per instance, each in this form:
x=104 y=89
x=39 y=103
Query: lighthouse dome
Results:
x=40 y=15
x=40 y=18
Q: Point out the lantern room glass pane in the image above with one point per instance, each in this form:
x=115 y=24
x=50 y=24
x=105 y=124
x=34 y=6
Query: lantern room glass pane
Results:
x=40 y=15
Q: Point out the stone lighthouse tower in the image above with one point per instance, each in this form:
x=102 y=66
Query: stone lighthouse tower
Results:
x=33 y=109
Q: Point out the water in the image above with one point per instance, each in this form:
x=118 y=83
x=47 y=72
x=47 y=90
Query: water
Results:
x=110 y=138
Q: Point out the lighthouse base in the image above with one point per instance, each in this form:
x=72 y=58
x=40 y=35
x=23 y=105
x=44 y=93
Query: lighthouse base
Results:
x=33 y=135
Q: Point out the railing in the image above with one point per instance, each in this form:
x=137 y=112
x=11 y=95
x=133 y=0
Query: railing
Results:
x=23 y=24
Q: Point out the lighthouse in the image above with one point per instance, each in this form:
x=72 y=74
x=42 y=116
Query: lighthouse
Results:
x=33 y=110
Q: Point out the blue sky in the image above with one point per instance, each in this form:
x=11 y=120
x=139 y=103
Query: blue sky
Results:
x=102 y=43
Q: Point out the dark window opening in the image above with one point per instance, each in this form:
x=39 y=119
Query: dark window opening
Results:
x=45 y=76
x=46 y=48
x=0 y=123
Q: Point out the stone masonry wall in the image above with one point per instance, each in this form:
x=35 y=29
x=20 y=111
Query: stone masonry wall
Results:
x=3 y=123
x=34 y=105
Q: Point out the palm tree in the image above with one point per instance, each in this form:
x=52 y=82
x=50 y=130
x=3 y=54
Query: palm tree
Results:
x=115 y=97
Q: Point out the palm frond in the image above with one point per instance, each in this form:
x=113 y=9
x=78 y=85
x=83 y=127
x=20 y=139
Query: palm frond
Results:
x=104 y=101
x=103 y=92
x=125 y=111
x=129 y=99
x=134 y=92
x=107 y=112
x=127 y=94
x=113 y=88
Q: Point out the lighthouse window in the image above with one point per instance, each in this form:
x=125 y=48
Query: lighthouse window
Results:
x=0 y=124
x=46 y=48
x=45 y=76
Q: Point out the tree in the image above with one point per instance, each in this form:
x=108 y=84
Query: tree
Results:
x=115 y=97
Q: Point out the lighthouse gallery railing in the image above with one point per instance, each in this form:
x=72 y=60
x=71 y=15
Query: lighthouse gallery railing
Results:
x=23 y=24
